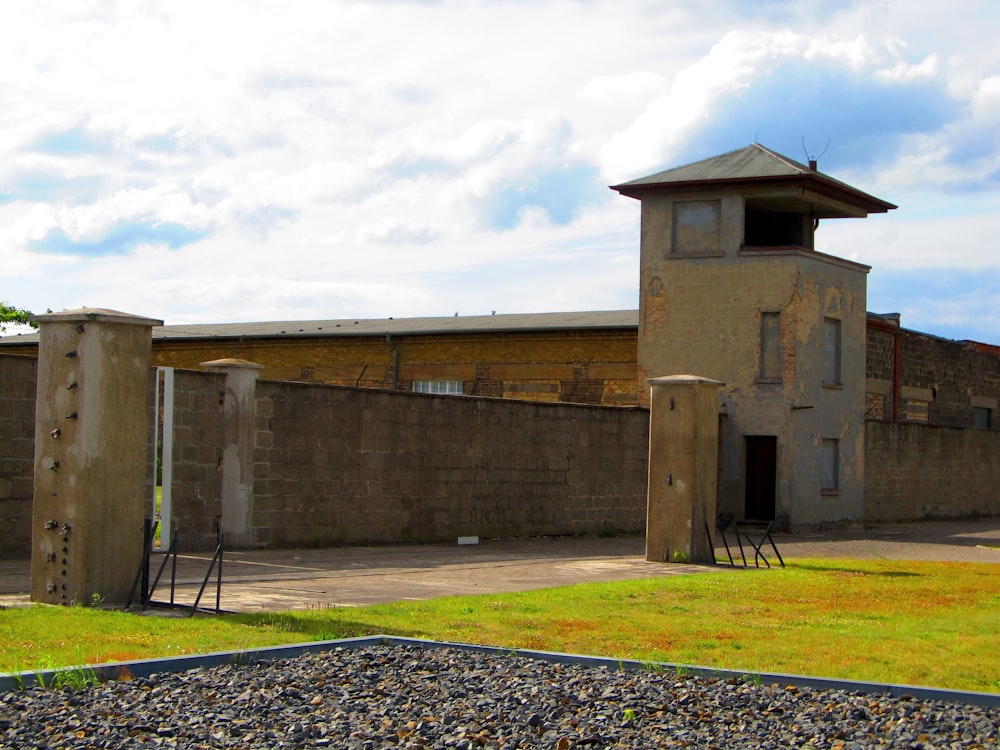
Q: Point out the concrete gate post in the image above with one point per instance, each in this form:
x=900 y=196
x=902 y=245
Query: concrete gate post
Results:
x=91 y=460
x=683 y=459
x=239 y=413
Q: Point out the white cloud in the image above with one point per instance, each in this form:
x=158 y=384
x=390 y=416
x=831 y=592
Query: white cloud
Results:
x=395 y=232
x=905 y=71
x=668 y=120
x=615 y=89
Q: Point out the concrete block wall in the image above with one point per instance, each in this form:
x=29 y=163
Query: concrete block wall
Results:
x=354 y=466
x=198 y=445
x=879 y=359
x=951 y=377
x=952 y=372
x=346 y=465
x=917 y=471
x=18 y=377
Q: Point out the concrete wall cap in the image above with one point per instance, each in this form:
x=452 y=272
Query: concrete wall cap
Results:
x=682 y=379
x=96 y=314
x=233 y=362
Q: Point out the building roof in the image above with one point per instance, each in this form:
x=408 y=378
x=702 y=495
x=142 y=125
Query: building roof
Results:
x=758 y=166
x=516 y=323
x=526 y=322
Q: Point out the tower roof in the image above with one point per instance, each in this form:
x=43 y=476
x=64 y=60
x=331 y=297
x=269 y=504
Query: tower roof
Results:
x=795 y=186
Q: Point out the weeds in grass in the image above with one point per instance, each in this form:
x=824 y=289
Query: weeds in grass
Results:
x=48 y=677
x=77 y=678
x=284 y=623
x=38 y=673
x=239 y=658
x=653 y=667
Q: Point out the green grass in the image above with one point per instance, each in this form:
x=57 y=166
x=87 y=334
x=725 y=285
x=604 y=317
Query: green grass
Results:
x=919 y=623
x=157 y=536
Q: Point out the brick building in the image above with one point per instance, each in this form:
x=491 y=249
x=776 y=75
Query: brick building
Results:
x=582 y=357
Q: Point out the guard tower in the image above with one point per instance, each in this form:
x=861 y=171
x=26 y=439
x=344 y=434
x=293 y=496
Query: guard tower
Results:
x=732 y=289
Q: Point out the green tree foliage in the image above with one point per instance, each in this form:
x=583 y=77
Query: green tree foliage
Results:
x=10 y=315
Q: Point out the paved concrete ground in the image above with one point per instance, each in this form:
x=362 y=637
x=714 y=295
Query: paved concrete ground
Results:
x=352 y=576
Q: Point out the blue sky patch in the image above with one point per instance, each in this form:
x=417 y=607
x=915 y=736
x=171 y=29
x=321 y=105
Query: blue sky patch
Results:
x=952 y=303
x=774 y=11
x=42 y=187
x=862 y=119
x=560 y=193
x=74 y=142
x=122 y=239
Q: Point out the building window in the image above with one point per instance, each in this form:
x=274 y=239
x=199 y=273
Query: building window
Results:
x=874 y=406
x=697 y=228
x=915 y=410
x=831 y=351
x=440 y=387
x=765 y=228
x=830 y=460
x=982 y=417
x=770 y=347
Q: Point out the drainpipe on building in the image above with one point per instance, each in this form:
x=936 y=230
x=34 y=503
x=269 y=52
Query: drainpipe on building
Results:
x=897 y=363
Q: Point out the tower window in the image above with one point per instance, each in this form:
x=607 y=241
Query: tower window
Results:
x=697 y=228
x=774 y=228
x=770 y=347
x=831 y=351
x=830 y=466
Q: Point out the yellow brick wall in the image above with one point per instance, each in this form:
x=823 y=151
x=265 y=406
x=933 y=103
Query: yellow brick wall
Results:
x=595 y=367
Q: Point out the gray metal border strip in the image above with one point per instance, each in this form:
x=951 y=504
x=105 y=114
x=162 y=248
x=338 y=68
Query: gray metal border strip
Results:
x=147 y=667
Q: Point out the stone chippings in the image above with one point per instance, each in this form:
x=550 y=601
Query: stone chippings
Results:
x=410 y=697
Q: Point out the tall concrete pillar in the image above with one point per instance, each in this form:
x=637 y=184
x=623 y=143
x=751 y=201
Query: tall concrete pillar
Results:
x=683 y=458
x=239 y=413
x=91 y=462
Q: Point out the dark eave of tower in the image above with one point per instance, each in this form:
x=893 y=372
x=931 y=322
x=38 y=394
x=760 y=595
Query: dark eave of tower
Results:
x=765 y=177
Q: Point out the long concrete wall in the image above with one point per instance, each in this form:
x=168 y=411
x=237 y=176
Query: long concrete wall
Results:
x=915 y=471
x=350 y=466
x=18 y=377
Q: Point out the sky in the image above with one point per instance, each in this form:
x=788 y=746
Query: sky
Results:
x=248 y=160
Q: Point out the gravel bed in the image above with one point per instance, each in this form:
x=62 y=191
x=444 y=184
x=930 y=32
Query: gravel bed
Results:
x=410 y=697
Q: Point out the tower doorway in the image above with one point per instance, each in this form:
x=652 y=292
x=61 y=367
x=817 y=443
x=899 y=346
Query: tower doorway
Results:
x=761 y=473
